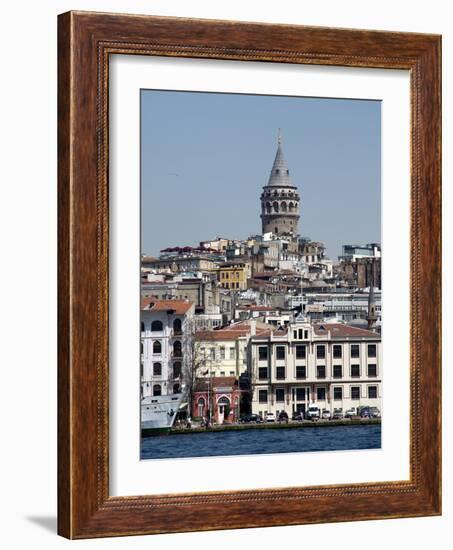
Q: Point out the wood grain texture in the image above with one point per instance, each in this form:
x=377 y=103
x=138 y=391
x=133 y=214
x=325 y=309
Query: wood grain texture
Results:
x=85 y=42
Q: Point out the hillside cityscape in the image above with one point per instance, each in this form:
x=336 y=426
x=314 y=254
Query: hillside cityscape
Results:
x=265 y=329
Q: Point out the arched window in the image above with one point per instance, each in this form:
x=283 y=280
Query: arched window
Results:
x=275 y=206
x=157 y=347
x=283 y=205
x=201 y=403
x=224 y=400
x=177 y=369
x=176 y=388
x=268 y=207
x=156 y=326
x=291 y=206
x=177 y=326
x=157 y=390
x=142 y=326
x=177 y=349
x=157 y=369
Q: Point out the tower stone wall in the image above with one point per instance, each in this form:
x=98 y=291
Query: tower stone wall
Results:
x=280 y=201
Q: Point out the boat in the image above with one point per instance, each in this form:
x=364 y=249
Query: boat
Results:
x=158 y=413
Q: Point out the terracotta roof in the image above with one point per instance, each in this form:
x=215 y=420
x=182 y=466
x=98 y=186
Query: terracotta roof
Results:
x=338 y=330
x=178 y=306
x=215 y=382
x=234 y=331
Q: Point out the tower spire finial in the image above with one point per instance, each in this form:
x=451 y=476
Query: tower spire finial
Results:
x=279 y=136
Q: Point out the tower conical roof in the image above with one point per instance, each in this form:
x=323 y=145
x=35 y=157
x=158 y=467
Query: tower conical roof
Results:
x=279 y=176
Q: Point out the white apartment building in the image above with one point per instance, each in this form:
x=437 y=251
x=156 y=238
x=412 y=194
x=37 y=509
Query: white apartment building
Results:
x=166 y=327
x=332 y=366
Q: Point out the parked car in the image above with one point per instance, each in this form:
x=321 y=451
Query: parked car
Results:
x=298 y=416
x=338 y=414
x=350 y=412
x=283 y=416
x=313 y=413
x=364 y=412
x=251 y=418
x=270 y=417
x=375 y=412
x=326 y=414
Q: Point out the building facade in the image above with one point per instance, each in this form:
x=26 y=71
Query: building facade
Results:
x=332 y=366
x=166 y=327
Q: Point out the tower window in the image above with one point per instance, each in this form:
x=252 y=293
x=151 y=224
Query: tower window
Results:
x=277 y=171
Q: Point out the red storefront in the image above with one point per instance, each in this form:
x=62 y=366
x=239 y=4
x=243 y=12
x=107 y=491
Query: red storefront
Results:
x=218 y=398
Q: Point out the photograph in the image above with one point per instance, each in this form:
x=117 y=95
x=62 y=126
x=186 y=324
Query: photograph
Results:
x=260 y=274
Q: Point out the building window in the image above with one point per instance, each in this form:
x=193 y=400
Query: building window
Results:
x=301 y=372
x=222 y=352
x=355 y=351
x=337 y=351
x=232 y=353
x=157 y=369
x=279 y=395
x=355 y=371
x=177 y=349
x=321 y=394
x=177 y=326
x=143 y=326
x=157 y=347
x=355 y=392
x=262 y=396
x=176 y=388
x=338 y=393
x=321 y=352
x=262 y=373
x=177 y=369
x=300 y=394
x=281 y=373
x=337 y=371
x=321 y=371
x=157 y=326
x=201 y=404
x=371 y=350
x=372 y=370
x=262 y=353
x=141 y=348
x=280 y=352
x=372 y=392
x=157 y=390
x=300 y=352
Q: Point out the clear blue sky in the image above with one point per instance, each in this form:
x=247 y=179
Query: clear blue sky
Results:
x=205 y=158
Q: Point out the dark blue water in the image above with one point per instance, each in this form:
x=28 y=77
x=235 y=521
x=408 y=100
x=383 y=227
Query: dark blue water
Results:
x=250 y=442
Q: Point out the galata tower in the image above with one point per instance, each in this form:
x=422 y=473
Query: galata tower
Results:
x=279 y=199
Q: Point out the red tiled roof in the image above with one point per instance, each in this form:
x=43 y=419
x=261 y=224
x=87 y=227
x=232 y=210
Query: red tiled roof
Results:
x=178 y=306
x=215 y=382
x=235 y=331
x=338 y=330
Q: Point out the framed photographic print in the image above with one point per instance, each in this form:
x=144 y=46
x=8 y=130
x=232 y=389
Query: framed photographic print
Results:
x=249 y=275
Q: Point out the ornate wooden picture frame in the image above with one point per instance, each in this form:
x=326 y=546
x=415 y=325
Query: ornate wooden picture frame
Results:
x=85 y=507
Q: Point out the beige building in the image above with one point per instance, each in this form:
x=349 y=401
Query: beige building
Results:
x=332 y=366
x=223 y=352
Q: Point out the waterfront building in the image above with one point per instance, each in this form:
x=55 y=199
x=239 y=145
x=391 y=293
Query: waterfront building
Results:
x=280 y=199
x=166 y=327
x=331 y=365
x=223 y=352
x=217 y=399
